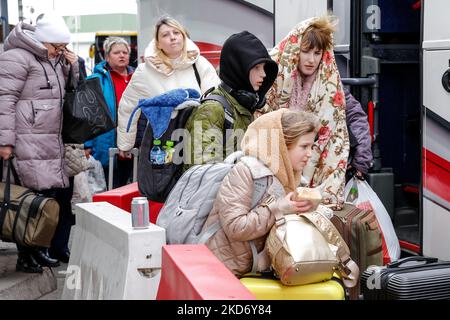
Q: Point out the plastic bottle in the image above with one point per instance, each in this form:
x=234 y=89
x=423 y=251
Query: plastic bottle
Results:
x=169 y=150
x=157 y=154
x=352 y=195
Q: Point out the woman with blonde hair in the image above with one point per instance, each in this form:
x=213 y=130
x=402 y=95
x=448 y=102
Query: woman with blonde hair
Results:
x=276 y=146
x=309 y=80
x=172 y=61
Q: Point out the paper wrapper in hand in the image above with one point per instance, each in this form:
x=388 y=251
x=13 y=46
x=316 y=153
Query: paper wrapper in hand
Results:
x=312 y=194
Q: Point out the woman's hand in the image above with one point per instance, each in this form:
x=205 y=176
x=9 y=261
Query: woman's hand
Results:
x=6 y=152
x=87 y=152
x=287 y=205
x=124 y=154
x=70 y=56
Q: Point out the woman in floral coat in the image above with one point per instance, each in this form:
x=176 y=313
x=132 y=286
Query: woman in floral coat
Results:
x=309 y=80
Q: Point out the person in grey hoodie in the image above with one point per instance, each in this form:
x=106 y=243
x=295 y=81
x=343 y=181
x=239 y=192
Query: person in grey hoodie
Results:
x=33 y=72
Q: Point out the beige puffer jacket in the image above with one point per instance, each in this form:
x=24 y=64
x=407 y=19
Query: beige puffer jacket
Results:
x=239 y=222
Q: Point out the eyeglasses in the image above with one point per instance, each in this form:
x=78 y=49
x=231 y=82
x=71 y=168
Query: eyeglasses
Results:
x=60 y=47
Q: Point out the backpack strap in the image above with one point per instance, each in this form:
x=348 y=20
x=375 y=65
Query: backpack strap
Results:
x=229 y=117
x=197 y=76
x=259 y=188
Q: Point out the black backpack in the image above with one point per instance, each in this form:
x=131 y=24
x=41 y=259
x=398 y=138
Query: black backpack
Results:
x=155 y=181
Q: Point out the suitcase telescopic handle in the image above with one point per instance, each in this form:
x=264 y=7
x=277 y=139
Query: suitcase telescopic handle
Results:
x=398 y=263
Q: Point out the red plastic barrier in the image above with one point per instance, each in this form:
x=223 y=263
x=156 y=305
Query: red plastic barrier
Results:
x=155 y=207
x=121 y=197
x=192 y=272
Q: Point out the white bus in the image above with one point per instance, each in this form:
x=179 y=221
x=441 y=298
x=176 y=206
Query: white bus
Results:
x=403 y=48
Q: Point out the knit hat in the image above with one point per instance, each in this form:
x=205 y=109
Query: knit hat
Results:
x=51 y=28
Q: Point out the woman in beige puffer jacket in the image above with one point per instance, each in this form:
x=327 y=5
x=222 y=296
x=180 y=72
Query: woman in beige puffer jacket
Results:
x=277 y=145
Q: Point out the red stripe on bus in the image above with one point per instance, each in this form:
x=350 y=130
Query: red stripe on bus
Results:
x=409 y=246
x=436 y=174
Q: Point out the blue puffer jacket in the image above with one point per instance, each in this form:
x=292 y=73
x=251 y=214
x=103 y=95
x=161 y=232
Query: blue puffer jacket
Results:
x=101 y=144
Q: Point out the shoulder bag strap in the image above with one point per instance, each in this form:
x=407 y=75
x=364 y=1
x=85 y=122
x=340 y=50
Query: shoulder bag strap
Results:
x=197 y=76
x=5 y=204
x=14 y=172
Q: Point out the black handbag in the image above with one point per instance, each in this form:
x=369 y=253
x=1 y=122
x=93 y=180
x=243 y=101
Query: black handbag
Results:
x=85 y=112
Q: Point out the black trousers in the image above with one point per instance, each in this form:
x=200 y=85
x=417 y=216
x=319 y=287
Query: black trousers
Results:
x=122 y=173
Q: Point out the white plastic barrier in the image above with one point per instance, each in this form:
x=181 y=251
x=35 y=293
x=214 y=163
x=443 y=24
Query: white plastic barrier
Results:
x=111 y=260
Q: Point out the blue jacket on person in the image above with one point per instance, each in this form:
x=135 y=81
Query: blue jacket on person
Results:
x=101 y=144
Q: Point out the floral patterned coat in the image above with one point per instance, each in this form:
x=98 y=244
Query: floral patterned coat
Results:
x=328 y=163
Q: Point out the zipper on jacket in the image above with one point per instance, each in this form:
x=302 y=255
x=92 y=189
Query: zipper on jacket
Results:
x=61 y=120
x=116 y=109
x=33 y=116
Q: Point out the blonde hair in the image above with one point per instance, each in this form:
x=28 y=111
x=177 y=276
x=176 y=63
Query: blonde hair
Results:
x=319 y=34
x=296 y=124
x=171 y=22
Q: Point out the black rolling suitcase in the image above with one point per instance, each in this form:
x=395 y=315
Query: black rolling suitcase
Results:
x=411 y=278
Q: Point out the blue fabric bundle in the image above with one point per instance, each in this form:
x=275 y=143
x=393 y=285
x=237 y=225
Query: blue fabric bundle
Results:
x=158 y=110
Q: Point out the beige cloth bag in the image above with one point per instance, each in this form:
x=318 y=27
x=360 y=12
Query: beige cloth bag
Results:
x=307 y=248
x=75 y=159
